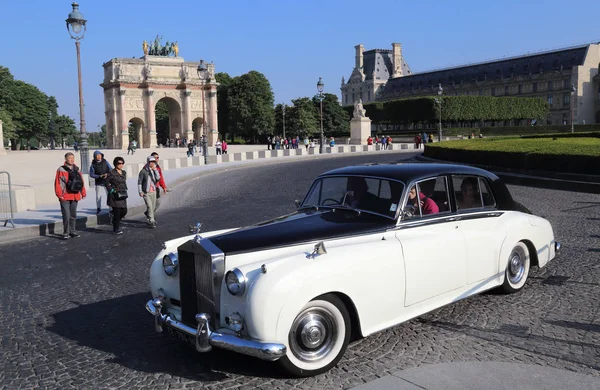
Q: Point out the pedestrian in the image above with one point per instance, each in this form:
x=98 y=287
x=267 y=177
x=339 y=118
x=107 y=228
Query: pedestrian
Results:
x=331 y=142
x=430 y=138
x=306 y=142
x=383 y=142
x=224 y=146
x=190 y=149
x=418 y=141
x=69 y=189
x=117 y=199
x=161 y=182
x=269 y=143
x=218 y=146
x=133 y=146
x=148 y=179
x=99 y=169
x=370 y=140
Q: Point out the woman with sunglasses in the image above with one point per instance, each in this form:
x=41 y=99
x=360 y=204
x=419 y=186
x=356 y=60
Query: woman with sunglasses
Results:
x=117 y=198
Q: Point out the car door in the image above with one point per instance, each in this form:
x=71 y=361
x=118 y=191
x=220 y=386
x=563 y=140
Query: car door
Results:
x=432 y=244
x=480 y=224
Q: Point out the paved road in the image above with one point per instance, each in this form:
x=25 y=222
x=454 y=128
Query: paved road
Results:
x=73 y=316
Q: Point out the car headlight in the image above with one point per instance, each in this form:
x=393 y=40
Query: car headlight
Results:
x=170 y=264
x=235 y=280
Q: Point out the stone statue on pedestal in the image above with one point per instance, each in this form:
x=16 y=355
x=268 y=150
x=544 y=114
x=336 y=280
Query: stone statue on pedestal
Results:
x=359 y=111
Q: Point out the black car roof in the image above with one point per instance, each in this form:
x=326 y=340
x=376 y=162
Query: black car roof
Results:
x=407 y=171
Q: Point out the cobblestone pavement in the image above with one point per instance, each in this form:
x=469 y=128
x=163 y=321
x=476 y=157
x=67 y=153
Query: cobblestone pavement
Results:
x=73 y=311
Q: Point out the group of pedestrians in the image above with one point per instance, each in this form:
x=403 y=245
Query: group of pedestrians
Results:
x=422 y=139
x=110 y=184
x=386 y=142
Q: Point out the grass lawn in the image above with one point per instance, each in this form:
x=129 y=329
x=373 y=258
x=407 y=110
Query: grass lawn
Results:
x=562 y=146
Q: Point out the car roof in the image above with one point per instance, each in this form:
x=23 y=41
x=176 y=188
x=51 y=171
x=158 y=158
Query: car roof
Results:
x=409 y=171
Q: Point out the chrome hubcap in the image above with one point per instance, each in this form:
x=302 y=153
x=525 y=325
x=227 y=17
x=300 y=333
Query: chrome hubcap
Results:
x=516 y=268
x=313 y=334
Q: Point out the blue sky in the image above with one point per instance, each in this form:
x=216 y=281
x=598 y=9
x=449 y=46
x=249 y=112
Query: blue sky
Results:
x=292 y=42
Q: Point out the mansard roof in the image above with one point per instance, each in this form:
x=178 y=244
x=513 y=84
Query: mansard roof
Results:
x=497 y=69
x=381 y=61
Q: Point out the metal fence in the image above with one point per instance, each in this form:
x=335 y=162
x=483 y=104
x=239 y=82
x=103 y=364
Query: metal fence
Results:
x=6 y=203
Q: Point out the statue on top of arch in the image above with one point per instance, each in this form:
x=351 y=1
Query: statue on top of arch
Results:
x=157 y=49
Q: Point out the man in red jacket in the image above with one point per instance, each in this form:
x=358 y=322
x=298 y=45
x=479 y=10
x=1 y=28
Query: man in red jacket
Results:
x=69 y=189
x=161 y=182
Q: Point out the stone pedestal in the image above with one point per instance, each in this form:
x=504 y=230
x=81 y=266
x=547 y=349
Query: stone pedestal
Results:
x=360 y=130
x=2 y=150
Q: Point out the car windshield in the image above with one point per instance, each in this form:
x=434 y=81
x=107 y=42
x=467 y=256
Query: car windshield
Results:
x=370 y=194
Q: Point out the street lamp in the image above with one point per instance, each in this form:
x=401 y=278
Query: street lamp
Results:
x=573 y=89
x=440 y=91
x=76 y=26
x=283 y=108
x=51 y=128
x=320 y=87
x=202 y=75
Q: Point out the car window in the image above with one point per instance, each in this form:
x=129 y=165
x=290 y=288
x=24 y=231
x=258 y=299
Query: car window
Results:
x=432 y=195
x=486 y=193
x=467 y=192
x=368 y=194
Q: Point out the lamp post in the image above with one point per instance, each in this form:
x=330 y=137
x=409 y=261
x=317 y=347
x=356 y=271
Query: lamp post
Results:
x=76 y=26
x=51 y=128
x=573 y=89
x=283 y=108
x=202 y=73
x=440 y=91
x=320 y=87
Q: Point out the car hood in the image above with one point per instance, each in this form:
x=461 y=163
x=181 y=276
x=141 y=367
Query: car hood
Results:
x=300 y=227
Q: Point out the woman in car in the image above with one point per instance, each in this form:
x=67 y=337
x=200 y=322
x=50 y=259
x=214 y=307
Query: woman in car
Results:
x=428 y=206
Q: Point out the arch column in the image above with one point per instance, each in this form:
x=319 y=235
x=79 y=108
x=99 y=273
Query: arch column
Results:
x=150 y=118
x=187 y=115
x=212 y=115
x=123 y=121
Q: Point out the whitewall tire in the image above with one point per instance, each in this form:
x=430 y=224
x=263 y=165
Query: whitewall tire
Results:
x=318 y=337
x=517 y=269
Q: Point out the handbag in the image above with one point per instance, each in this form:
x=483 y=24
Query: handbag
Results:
x=120 y=195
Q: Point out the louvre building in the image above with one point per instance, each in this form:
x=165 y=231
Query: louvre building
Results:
x=381 y=75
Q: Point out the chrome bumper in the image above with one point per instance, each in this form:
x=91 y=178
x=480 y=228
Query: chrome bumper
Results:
x=557 y=247
x=206 y=338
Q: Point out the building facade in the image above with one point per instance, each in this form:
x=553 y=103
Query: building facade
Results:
x=550 y=75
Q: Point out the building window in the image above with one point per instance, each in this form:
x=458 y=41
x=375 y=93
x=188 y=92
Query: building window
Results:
x=566 y=83
x=520 y=88
x=550 y=99
x=494 y=91
x=534 y=87
x=506 y=89
x=566 y=99
x=550 y=85
x=564 y=119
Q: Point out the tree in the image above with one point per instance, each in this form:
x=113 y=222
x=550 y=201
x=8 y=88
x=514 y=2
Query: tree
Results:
x=223 y=112
x=278 y=129
x=250 y=99
x=8 y=127
x=335 y=118
x=66 y=130
x=162 y=122
x=303 y=118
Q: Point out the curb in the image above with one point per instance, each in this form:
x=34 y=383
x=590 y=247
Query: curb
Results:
x=558 y=181
x=50 y=228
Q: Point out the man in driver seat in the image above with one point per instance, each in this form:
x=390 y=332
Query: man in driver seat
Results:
x=360 y=197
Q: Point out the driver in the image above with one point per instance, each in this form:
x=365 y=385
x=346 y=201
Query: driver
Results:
x=361 y=197
x=428 y=206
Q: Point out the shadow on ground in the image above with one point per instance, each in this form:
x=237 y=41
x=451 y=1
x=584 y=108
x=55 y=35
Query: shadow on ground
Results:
x=123 y=328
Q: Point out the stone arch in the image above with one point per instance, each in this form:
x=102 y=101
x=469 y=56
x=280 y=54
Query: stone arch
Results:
x=197 y=128
x=138 y=132
x=175 y=122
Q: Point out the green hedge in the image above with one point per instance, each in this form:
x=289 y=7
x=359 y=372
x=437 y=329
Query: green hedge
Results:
x=455 y=108
x=559 y=153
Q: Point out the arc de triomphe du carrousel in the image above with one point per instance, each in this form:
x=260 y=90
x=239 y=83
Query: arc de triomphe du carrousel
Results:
x=133 y=87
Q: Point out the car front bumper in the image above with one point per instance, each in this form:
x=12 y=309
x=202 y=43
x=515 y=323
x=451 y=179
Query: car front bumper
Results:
x=206 y=338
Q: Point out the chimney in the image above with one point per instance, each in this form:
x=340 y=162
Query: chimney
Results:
x=396 y=60
x=359 y=56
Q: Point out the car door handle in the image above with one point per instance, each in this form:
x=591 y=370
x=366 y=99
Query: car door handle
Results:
x=450 y=219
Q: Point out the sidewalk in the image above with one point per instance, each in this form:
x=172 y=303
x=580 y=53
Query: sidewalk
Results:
x=48 y=220
x=482 y=375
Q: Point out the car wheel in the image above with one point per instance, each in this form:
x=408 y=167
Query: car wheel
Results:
x=318 y=337
x=517 y=269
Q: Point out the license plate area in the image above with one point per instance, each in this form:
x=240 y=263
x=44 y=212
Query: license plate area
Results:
x=181 y=336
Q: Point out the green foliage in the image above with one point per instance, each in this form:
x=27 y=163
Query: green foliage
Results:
x=556 y=154
x=161 y=115
x=455 y=108
x=335 y=119
x=303 y=118
x=223 y=114
x=279 y=119
x=8 y=127
x=65 y=129
x=250 y=99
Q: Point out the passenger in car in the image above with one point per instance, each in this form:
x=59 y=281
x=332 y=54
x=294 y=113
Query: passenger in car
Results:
x=469 y=194
x=428 y=206
x=360 y=197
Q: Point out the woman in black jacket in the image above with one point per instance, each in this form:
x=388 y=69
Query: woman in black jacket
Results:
x=117 y=193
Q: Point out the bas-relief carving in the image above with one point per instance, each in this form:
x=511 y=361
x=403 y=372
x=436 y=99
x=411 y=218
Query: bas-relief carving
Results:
x=134 y=102
x=196 y=104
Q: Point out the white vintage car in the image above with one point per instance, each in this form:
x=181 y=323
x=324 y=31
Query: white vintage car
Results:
x=369 y=247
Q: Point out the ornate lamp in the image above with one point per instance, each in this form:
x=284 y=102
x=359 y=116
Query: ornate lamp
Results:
x=76 y=24
x=203 y=75
x=320 y=87
x=440 y=91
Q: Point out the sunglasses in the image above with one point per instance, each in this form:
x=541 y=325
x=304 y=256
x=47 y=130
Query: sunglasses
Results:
x=120 y=162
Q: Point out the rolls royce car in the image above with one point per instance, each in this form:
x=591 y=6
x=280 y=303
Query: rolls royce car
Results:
x=369 y=247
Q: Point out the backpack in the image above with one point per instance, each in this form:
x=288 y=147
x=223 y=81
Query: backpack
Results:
x=74 y=183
